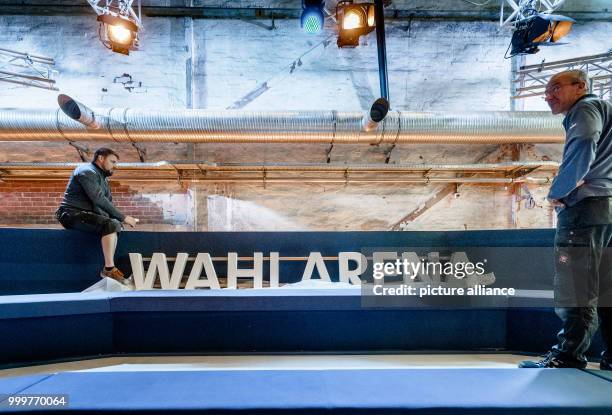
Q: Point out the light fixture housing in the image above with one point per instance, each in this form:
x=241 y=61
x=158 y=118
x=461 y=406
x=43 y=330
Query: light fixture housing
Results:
x=121 y=32
x=312 y=18
x=354 y=20
x=539 y=30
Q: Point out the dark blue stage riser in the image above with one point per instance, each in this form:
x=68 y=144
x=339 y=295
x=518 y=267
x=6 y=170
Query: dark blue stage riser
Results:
x=59 y=326
x=78 y=325
x=38 y=261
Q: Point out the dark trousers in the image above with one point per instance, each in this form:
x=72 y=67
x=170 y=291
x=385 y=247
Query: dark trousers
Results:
x=583 y=276
x=87 y=221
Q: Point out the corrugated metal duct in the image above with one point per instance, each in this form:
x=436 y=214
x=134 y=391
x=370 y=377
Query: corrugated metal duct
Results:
x=331 y=127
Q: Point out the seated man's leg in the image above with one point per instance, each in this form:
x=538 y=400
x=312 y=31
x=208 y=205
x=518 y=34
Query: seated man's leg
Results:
x=109 y=244
x=104 y=226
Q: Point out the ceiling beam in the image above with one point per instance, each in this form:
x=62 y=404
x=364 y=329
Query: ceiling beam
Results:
x=400 y=9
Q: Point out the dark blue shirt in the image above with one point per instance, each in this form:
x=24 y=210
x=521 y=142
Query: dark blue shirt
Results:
x=587 y=154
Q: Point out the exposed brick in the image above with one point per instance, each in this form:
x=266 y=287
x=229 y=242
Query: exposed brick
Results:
x=35 y=202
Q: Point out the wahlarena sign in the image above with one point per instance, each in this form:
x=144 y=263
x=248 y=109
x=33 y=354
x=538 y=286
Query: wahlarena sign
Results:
x=352 y=267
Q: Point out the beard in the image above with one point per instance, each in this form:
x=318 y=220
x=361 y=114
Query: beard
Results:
x=107 y=173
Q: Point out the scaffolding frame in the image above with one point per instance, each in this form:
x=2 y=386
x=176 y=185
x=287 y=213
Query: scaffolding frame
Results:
x=26 y=69
x=531 y=80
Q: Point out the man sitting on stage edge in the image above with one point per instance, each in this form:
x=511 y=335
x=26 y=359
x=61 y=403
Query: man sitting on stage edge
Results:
x=88 y=206
x=582 y=195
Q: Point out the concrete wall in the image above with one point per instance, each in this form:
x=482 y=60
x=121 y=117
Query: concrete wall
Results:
x=216 y=64
x=184 y=62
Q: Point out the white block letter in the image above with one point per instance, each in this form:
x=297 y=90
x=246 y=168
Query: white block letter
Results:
x=348 y=275
x=315 y=259
x=159 y=264
x=203 y=260
x=233 y=273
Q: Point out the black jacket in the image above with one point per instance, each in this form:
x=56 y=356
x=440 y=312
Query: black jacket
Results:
x=88 y=189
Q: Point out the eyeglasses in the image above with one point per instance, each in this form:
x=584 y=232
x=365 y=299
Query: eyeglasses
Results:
x=554 y=89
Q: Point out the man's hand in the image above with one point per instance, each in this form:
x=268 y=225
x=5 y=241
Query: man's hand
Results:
x=555 y=203
x=130 y=221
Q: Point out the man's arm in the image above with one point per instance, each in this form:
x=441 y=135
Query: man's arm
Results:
x=88 y=181
x=583 y=133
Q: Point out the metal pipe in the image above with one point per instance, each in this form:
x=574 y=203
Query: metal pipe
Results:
x=198 y=165
x=234 y=126
x=379 y=17
x=77 y=111
x=194 y=171
x=30 y=77
x=33 y=58
x=416 y=180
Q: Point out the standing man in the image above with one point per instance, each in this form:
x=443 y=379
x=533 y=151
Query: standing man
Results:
x=88 y=206
x=582 y=196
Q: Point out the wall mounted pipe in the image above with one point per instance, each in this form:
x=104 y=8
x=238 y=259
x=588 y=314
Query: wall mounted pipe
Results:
x=198 y=165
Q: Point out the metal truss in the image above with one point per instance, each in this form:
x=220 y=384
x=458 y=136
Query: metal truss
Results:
x=531 y=80
x=522 y=9
x=120 y=7
x=27 y=70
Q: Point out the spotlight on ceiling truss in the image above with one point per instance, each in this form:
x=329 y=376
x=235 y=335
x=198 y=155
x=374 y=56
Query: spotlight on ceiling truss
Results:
x=354 y=21
x=313 y=17
x=119 y=24
x=533 y=25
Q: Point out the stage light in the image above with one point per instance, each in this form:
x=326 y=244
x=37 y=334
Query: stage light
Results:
x=121 y=32
x=354 y=20
x=539 y=30
x=312 y=18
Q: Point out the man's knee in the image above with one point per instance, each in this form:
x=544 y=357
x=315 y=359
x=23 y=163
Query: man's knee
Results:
x=111 y=226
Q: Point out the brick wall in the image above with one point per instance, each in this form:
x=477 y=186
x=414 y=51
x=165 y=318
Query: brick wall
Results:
x=34 y=202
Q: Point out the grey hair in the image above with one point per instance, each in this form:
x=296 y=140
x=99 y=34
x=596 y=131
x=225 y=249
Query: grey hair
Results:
x=576 y=75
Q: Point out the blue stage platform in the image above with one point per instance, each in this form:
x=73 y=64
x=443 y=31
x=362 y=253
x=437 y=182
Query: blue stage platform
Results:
x=355 y=392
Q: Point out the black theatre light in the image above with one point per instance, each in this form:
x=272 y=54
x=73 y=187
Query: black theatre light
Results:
x=539 y=30
x=121 y=32
x=354 y=20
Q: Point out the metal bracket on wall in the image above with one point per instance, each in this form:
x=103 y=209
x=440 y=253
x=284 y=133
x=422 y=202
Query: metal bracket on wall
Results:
x=142 y=152
x=328 y=153
x=84 y=152
x=179 y=178
x=388 y=154
x=527 y=196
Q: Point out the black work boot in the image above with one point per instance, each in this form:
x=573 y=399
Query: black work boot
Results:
x=552 y=360
x=606 y=361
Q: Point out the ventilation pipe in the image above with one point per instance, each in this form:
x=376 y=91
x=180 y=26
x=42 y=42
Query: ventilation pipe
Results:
x=74 y=121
